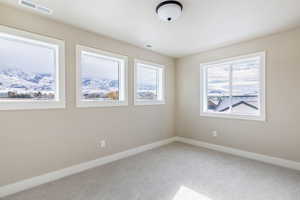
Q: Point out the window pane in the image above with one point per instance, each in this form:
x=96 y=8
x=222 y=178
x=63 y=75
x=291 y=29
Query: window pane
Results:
x=218 y=92
x=99 y=78
x=27 y=70
x=245 y=87
x=147 y=83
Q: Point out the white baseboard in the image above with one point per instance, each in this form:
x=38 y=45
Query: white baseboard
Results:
x=254 y=156
x=52 y=176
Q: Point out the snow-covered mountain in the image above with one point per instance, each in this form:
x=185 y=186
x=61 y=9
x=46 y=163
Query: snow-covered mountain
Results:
x=16 y=79
x=101 y=84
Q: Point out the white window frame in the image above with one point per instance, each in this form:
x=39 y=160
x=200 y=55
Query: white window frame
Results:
x=59 y=45
x=123 y=77
x=161 y=83
x=262 y=99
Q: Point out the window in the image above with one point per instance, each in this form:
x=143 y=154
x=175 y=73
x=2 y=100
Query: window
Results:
x=31 y=71
x=149 y=83
x=234 y=88
x=101 y=78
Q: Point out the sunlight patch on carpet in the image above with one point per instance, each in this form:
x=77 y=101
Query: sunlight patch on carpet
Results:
x=185 y=193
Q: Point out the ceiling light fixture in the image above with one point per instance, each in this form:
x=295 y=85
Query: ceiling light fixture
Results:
x=169 y=11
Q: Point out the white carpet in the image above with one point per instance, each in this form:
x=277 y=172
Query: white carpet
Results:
x=174 y=172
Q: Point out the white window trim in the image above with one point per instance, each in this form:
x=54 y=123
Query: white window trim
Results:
x=163 y=84
x=59 y=102
x=92 y=103
x=203 y=97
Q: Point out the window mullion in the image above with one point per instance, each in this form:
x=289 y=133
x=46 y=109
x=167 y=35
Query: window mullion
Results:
x=157 y=84
x=120 y=84
x=206 y=90
x=230 y=87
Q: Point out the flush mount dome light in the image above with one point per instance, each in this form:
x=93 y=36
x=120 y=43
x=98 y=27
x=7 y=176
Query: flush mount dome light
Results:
x=169 y=11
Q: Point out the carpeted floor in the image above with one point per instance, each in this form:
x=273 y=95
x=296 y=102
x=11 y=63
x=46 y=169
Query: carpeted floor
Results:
x=174 y=172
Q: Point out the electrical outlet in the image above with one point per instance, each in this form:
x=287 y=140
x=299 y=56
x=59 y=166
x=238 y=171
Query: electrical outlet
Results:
x=214 y=133
x=101 y=144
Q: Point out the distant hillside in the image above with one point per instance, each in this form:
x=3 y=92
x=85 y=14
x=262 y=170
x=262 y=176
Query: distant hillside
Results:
x=16 y=79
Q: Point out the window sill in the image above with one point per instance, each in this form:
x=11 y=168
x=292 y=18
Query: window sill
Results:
x=32 y=105
x=93 y=104
x=149 y=103
x=234 y=116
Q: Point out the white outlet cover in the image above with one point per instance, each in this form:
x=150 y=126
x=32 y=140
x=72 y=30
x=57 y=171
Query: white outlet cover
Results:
x=215 y=133
x=102 y=143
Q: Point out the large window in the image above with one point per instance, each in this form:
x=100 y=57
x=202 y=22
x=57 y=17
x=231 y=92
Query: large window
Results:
x=31 y=70
x=234 y=88
x=101 y=78
x=149 y=83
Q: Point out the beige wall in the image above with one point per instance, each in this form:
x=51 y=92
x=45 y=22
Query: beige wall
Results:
x=30 y=147
x=280 y=135
x=35 y=142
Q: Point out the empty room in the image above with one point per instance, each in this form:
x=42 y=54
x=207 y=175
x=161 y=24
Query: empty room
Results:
x=149 y=100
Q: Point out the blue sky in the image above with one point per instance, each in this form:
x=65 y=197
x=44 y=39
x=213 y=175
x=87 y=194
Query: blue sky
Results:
x=34 y=58
x=28 y=57
x=245 y=78
x=99 y=68
x=147 y=76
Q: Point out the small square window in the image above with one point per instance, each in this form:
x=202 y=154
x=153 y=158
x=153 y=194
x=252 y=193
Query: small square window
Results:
x=149 y=83
x=234 y=88
x=102 y=78
x=31 y=71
